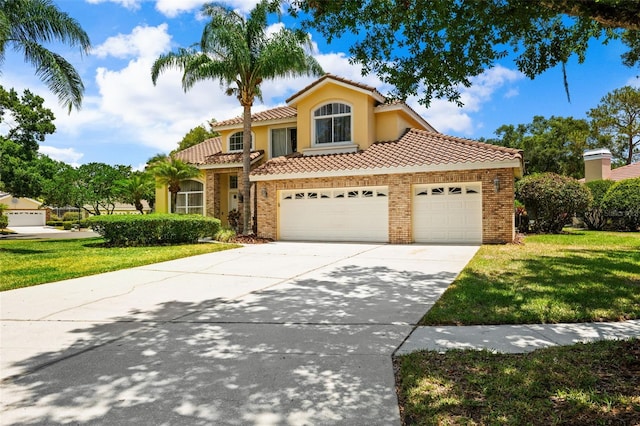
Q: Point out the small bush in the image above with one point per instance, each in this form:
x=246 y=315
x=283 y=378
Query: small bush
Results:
x=594 y=216
x=153 y=229
x=67 y=226
x=71 y=217
x=4 y=221
x=225 y=235
x=622 y=204
x=55 y=223
x=551 y=200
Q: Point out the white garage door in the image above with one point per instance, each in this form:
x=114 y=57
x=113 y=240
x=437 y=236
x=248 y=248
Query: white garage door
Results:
x=447 y=213
x=26 y=217
x=344 y=214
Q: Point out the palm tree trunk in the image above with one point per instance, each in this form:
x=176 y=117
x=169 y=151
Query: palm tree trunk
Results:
x=246 y=169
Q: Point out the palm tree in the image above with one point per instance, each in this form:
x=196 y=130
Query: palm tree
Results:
x=239 y=53
x=25 y=24
x=139 y=186
x=172 y=172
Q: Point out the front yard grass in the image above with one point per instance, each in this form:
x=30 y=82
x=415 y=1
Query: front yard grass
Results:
x=575 y=277
x=30 y=262
x=579 y=276
x=585 y=384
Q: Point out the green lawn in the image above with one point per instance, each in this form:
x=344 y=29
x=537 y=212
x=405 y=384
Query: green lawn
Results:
x=592 y=384
x=575 y=277
x=31 y=262
x=579 y=276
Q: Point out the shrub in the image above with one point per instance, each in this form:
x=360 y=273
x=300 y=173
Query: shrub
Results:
x=594 y=216
x=4 y=221
x=71 y=217
x=153 y=229
x=622 y=203
x=67 y=226
x=551 y=200
x=225 y=235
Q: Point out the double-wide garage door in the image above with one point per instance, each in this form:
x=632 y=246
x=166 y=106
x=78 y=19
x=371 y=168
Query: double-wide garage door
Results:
x=343 y=214
x=26 y=217
x=441 y=213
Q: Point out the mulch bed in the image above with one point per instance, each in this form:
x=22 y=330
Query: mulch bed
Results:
x=250 y=239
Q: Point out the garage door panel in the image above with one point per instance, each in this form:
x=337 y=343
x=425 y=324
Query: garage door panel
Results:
x=26 y=217
x=344 y=214
x=447 y=213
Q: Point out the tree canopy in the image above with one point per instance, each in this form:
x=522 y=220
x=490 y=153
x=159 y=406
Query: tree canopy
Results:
x=432 y=48
x=552 y=144
x=617 y=120
x=196 y=135
x=24 y=122
x=25 y=25
x=238 y=52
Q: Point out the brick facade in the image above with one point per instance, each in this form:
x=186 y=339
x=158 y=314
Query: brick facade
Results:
x=497 y=208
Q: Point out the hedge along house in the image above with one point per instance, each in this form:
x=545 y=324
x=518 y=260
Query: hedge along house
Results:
x=341 y=163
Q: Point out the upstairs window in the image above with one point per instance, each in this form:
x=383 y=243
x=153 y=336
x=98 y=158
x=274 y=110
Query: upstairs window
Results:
x=235 y=142
x=283 y=141
x=332 y=123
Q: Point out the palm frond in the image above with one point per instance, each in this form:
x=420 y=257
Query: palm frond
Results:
x=58 y=74
x=172 y=60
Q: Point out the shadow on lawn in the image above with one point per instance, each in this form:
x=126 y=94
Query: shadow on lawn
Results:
x=313 y=351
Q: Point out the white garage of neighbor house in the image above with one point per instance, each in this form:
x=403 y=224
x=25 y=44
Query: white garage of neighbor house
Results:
x=23 y=211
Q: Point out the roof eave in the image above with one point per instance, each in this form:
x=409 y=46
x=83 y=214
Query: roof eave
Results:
x=257 y=124
x=515 y=163
x=206 y=166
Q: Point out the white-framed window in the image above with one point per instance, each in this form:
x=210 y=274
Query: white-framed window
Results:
x=283 y=141
x=190 y=199
x=233 y=182
x=332 y=124
x=236 y=141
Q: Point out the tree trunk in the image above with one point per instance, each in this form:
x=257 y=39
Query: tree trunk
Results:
x=246 y=169
x=630 y=154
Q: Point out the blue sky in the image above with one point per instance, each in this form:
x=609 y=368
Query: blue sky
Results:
x=126 y=120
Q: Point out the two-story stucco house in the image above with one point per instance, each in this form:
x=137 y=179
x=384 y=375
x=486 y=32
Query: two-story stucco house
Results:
x=341 y=163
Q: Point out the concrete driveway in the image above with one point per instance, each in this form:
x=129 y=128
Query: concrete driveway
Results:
x=273 y=334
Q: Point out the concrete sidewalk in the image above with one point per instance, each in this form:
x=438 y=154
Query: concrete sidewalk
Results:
x=515 y=338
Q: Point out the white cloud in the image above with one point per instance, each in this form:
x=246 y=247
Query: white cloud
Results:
x=446 y=116
x=143 y=41
x=633 y=81
x=129 y=4
x=66 y=155
x=172 y=8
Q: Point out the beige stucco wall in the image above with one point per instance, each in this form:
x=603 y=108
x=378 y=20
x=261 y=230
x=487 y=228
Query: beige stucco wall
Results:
x=21 y=204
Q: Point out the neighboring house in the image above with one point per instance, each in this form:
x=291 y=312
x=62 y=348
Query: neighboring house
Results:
x=597 y=165
x=24 y=211
x=342 y=163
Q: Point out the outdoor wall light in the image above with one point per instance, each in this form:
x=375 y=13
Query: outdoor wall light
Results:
x=496 y=184
x=264 y=192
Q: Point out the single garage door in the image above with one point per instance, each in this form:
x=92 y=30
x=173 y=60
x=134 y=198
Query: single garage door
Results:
x=344 y=214
x=26 y=217
x=447 y=213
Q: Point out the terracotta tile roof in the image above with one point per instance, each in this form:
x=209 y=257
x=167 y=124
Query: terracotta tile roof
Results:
x=327 y=76
x=415 y=149
x=197 y=154
x=231 y=157
x=626 y=172
x=278 y=113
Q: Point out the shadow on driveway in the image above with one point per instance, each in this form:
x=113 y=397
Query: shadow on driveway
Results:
x=311 y=351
